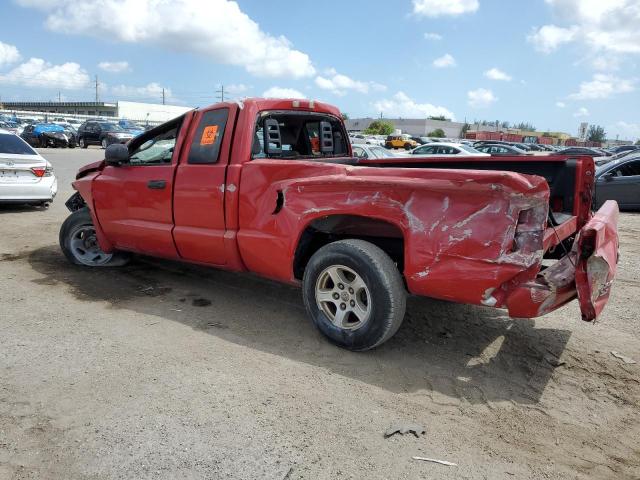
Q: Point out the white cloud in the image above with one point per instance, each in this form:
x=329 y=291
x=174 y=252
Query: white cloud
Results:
x=338 y=83
x=444 y=61
x=432 y=36
x=624 y=130
x=279 y=92
x=600 y=25
x=438 y=8
x=152 y=90
x=8 y=54
x=581 y=112
x=400 y=105
x=236 y=89
x=561 y=104
x=216 y=29
x=497 y=74
x=606 y=63
x=481 y=98
x=38 y=73
x=549 y=37
x=603 y=86
x=114 y=67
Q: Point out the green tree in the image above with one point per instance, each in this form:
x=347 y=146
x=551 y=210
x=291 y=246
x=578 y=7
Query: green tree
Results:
x=439 y=117
x=463 y=131
x=524 y=126
x=596 y=134
x=345 y=116
x=379 y=127
x=437 y=133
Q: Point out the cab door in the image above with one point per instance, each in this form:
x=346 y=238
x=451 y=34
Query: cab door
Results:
x=200 y=187
x=133 y=201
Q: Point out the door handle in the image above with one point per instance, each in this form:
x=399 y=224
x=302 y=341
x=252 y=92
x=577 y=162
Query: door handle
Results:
x=156 y=184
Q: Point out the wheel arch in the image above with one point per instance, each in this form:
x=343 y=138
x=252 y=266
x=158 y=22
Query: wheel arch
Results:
x=327 y=229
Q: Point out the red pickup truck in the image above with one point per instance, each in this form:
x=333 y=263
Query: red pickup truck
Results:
x=271 y=187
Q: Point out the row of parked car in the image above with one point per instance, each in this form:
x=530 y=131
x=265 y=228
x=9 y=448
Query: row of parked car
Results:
x=67 y=133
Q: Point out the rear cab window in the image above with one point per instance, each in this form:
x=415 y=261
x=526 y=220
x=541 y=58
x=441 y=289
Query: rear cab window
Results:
x=300 y=135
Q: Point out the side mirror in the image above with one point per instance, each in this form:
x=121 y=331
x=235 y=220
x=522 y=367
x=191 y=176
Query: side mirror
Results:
x=116 y=154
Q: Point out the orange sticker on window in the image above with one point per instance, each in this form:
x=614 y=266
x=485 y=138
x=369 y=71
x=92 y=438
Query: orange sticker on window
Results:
x=209 y=135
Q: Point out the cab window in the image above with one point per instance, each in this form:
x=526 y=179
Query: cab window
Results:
x=156 y=146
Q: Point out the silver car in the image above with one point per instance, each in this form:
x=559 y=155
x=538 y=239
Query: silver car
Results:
x=25 y=176
x=362 y=150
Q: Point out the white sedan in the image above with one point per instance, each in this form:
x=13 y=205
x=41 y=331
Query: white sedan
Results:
x=25 y=176
x=440 y=149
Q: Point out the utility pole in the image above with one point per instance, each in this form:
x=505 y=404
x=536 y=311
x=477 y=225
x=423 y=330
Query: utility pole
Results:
x=220 y=93
x=97 y=85
x=59 y=96
x=163 y=95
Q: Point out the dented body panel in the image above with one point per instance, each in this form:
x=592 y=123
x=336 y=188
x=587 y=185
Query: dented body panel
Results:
x=468 y=232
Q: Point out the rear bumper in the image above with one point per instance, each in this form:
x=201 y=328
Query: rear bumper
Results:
x=44 y=190
x=587 y=272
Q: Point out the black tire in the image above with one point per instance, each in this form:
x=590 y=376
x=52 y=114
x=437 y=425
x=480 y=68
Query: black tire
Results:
x=43 y=142
x=82 y=143
x=407 y=146
x=81 y=219
x=385 y=288
x=104 y=143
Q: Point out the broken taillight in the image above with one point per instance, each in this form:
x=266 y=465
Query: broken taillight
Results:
x=42 y=171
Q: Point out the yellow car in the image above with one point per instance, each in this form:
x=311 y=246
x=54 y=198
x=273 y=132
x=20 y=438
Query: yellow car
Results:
x=400 y=141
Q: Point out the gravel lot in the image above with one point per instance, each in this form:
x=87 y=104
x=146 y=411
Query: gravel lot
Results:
x=116 y=373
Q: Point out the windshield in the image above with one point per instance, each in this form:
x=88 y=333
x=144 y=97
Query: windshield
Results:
x=112 y=127
x=14 y=145
x=468 y=148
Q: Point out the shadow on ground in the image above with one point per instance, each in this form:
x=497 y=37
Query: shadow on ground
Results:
x=450 y=352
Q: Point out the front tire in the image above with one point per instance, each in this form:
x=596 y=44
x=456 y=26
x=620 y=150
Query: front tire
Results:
x=82 y=143
x=79 y=243
x=354 y=294
x=104 y=144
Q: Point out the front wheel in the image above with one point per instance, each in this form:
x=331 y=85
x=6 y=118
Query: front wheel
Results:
x=82 y=143
x=104 y=143
x=407 y=146
x=354 y=294
x=79 y=243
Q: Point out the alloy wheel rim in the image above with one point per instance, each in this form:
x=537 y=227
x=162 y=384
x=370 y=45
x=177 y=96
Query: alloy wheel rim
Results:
x=343 y=296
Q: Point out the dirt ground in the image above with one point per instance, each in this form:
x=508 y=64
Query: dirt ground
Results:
x=119 y=374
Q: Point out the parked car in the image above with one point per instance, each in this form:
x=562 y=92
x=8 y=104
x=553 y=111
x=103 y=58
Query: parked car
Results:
x=43 y=135
x=440 y=148
x=10 y=127
x=357 y=234
x=362 y=150
x=133 y=128
x=101 y=133
x=580 y=151
x=422 y=140
x=400 y=141
x=500 y=149
x=625 y=148
x=25 y=177
x=619 y=180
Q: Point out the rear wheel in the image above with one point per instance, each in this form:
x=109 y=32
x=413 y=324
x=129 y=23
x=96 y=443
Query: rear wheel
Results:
x=407 y=146
x=79 y=243
x=354 y=294
x=104 y=143
x=82 y=143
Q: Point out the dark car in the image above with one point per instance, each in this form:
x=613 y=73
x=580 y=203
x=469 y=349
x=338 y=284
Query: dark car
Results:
x=581 y=151
x=45 y=135
x=500 y=149
x=619 y=180
x=101 y=133
x=625 y=148
x=422 y=140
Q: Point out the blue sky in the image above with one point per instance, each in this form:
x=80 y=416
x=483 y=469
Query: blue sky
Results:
x=553 y=63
